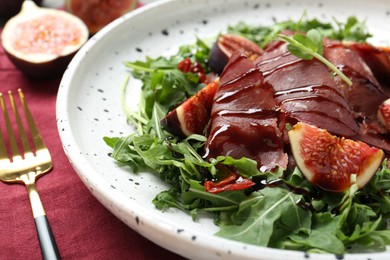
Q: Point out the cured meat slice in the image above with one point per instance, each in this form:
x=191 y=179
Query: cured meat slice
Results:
x=306 y=92
x=366 y=94
x=244 y=119
x=378 y=59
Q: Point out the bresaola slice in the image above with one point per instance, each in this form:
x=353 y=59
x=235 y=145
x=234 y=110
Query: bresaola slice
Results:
x=365 y=94
x=244 y=119
x=305 y=91
x=377 y=59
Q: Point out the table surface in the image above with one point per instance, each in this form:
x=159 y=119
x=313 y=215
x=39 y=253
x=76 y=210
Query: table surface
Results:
x=82 y=227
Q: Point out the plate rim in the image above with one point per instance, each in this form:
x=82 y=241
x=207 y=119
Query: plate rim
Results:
x=101 y=189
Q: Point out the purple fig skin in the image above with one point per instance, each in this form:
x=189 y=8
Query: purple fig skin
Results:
x=224 y=47
x=44 y=70
x=9 y=8
x=218 y=59
x=172 y=124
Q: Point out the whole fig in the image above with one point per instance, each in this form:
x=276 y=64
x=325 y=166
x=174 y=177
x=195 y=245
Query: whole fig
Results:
x=98 y=13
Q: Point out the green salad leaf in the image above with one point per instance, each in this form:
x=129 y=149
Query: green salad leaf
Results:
x=262 y=211
x=351 y=30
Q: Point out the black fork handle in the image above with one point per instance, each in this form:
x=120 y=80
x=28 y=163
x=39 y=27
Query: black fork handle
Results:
x=46 y=239
x=47 y=242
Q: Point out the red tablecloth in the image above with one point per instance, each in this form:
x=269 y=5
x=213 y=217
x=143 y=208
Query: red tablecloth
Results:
x=83 y=228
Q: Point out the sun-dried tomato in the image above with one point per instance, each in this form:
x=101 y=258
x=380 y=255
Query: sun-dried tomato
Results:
x=187 y=66
x=233 y=181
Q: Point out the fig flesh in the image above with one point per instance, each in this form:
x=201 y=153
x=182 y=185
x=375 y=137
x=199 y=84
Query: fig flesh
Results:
x=384 y=114
x=329 y=162
x=98 y=13
x=193 y=115
x=42 y=41
x=225 y=46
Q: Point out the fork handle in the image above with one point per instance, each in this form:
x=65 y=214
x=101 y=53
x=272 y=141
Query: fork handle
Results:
x=46 y=239
x=47 y=242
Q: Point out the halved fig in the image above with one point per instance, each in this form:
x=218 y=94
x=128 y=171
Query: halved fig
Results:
x=98 y=13
x=384 y=114
x=193 y=115
x=224 y=47
x=42 y=41
x=329 y=162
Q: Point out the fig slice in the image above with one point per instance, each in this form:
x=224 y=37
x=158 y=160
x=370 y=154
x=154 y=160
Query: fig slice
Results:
x=224 y=47
x=329 y=162
x=383 y=114
x=193 y=115
x=42 y=41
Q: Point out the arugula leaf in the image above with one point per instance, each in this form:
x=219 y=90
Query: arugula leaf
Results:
x=261 y=35
x=309 y=47
x=351 y=30
x=245 y=166
x=123 y=152
x=271 y=205
x=323 y=235
x=375 y=193
x=171 y=199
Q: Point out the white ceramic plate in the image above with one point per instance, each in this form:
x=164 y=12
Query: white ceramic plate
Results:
x=89 y=108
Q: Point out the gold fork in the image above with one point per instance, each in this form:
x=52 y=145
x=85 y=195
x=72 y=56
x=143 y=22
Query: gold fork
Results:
x=25 y=165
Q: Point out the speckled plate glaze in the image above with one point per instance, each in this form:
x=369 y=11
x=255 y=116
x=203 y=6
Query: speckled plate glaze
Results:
x=89 y=107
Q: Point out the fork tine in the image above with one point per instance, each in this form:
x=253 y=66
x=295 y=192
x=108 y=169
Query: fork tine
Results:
x=11 y=136
x=37 y=139
x=3 y=150
x=22 y=132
